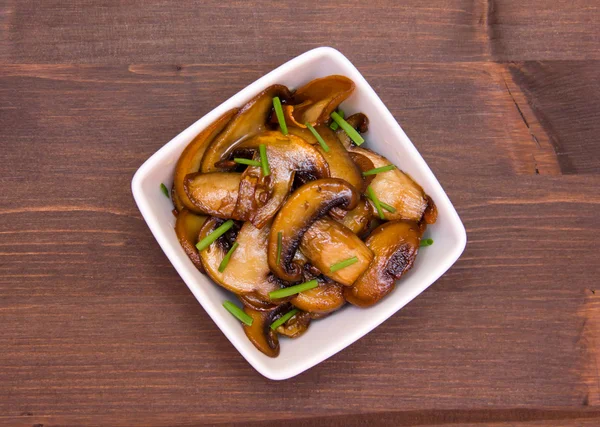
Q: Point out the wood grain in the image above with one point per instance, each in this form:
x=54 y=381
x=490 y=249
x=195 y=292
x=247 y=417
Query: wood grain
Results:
x=499 y=97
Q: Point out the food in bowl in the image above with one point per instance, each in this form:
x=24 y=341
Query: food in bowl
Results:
x=278 y=202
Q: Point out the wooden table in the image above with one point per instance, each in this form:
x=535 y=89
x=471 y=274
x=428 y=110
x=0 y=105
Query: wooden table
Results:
x=502 y=99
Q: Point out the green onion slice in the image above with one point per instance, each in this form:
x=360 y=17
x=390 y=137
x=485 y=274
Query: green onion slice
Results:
x=343 y=264
x=279 y=245
x=426 y=242
x=246 y=162
x=280 y=117
x=208 y=240
x=319 y=138
x=287 y=316
x=371 y=194
x=352 y=133
x=238 y=313
x=387 y=207
x=293 y=290
x=264 y=161
x=379 y=170
x=227 y=257
x=334 y=125
x=164 y=190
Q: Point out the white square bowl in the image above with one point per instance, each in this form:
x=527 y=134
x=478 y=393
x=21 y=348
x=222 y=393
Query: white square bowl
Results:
x=330 y=335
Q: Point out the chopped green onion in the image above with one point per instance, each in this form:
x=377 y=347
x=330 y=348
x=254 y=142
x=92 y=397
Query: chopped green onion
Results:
x=343 y=264
x=246 y=162
x=352 y=133
x=371 y=194
x=208 y=240
x=164 y=190
x=379 y=170
x=279 y=113
x=264 y=161
x=238 y=313
x=227 y=257
x=319 y=138
x=387 y=207
x=426 y=242
x=279 y=245
x=293 y=290
x=287 y=316
x=334 y=125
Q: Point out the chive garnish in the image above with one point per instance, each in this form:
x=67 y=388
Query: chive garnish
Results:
x=208 y=240
x=352 y=133
x=246 y=162
x=292 y=290
x=343 y=264
x=322 y=142
x=379 y=170
x=387 y=207
x=227 y=257
x=287 y=316
x=371 y=194
x=279 y=245
x=264 y=161
x=164 y=190
x=334 y=125
x=238 y=313
x=279 y=113
x=426 y=242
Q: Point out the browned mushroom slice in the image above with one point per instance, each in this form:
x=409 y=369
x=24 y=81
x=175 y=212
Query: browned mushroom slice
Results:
x=252 y=301
x=249 y=121
x=187 y=228
x=358 y=219
x=303 y=133
x=431 y=213
x=328 y=242
x=260 y=333
x=358 y=121
x=307 y=204
x=320 y=97
x=364 y=164
x=396 y=189
x=247 y=271
x=295 y=326
x=326 y=298
x=395 y=245
x=190 y=158
x=340 y=163
x=214 y=194
x=261 y=197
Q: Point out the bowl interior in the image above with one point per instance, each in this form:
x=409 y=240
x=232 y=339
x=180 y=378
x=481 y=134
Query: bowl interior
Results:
x=327 y=336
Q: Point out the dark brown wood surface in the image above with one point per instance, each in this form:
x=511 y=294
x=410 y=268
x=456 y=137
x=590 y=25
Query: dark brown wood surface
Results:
x=501 y=97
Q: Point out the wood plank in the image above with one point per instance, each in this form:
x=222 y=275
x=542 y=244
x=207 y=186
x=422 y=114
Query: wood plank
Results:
x=544 y=30
x=563 y=96
x=239 y=32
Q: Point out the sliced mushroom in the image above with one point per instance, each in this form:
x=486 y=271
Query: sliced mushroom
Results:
x=364 y=164
x=247 y=272
x=190 y=159
x=328 y=242
x=340 y=163
x=326 y=298
x=307 y=204
x=316 y=100
x=260 y=197
x=187 y=228
x=254 y=302
x=395 y=245
x=303 y=133
x=396 y=189
x=260 y=333
x=358 y=219
x=358 y=121
x=176 y=200
x=430 y=214
x=249 y=121
x=295 y=326
x=213 y=194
